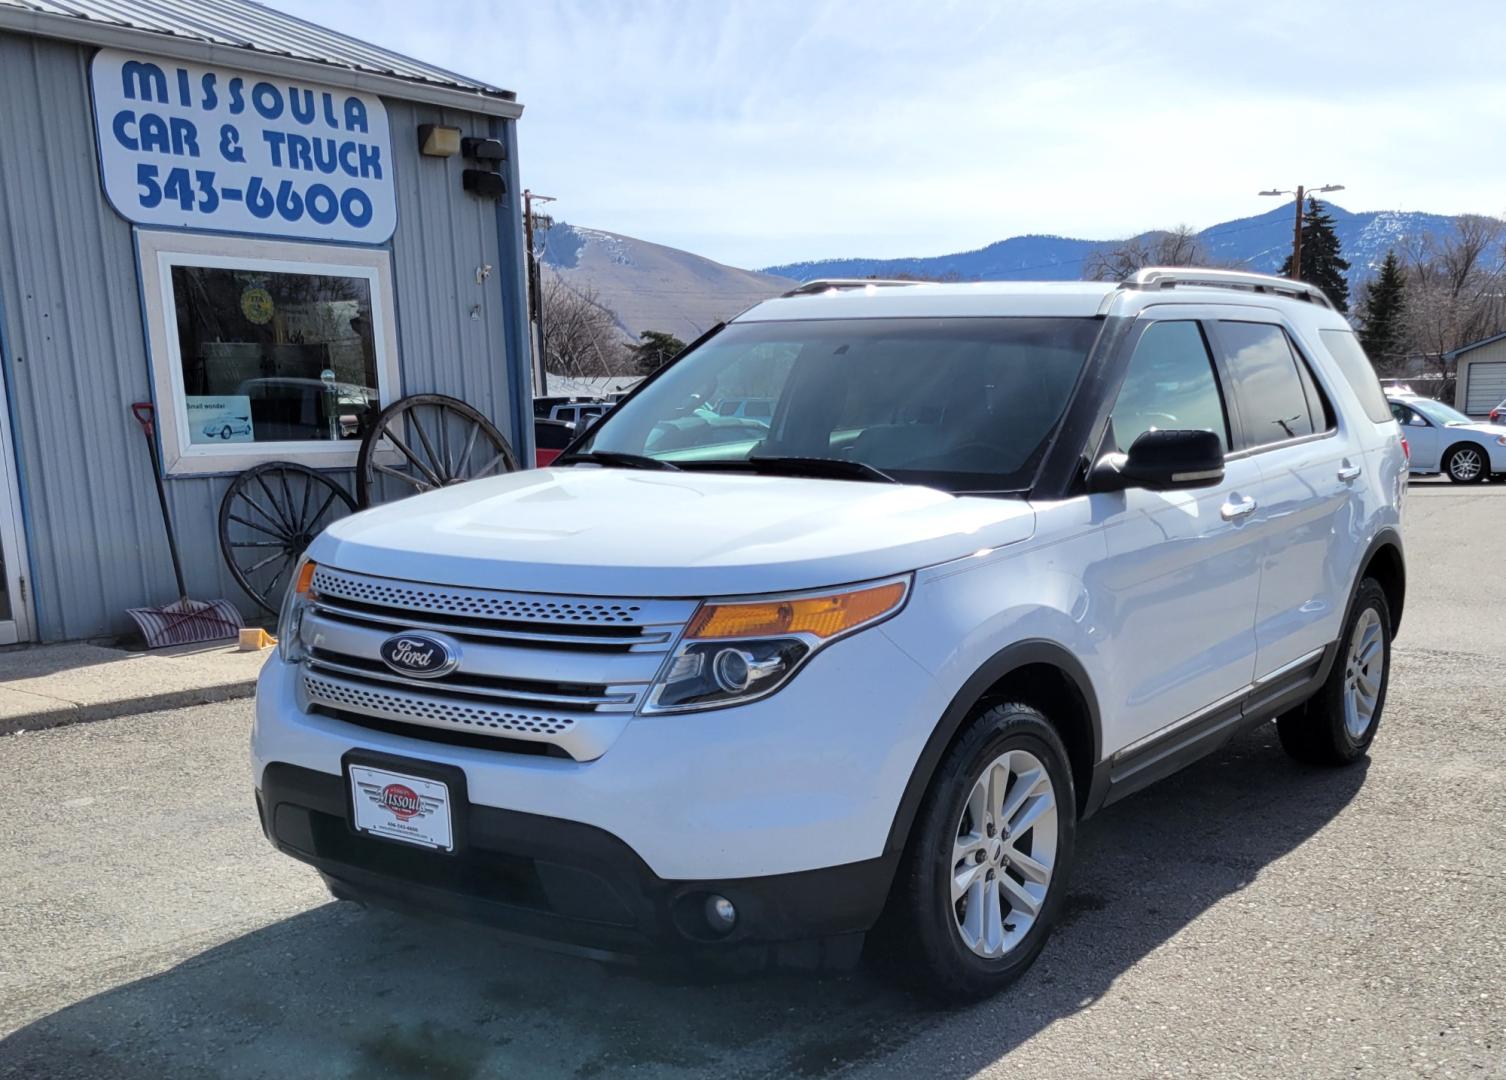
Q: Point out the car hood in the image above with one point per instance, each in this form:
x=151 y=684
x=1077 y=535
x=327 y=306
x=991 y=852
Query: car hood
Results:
x=1484 y=428
x=619 y=532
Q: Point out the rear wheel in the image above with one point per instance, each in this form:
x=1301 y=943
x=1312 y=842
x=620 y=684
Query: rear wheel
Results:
x=986 y=867
x=1338 y=724
x=1466 y=464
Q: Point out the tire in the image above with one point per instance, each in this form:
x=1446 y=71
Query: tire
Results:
x=1466 y=464
x=925 y=927
x=225 y=432
x=1332 y=728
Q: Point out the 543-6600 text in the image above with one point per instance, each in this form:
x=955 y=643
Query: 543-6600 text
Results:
x=196 y=190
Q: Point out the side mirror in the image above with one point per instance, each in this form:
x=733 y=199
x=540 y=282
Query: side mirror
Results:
x=1163 y=461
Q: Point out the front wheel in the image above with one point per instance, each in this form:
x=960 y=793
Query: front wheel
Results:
x=1466 y=464
x=986 y=867
x=1338 y=724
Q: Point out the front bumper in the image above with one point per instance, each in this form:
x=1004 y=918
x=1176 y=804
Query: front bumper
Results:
x=572 y=886
x=784 y=806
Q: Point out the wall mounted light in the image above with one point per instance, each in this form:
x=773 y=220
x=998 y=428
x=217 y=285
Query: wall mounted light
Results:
x=483 y=150
x=483 y=182
x=436 y=140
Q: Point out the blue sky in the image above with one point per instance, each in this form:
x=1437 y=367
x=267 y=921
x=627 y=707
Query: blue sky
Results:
x=769 y=131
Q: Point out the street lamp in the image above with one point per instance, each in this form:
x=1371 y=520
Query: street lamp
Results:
x=1301 y=193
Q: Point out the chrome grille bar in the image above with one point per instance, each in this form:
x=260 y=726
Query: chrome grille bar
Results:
x=529 y=697
x=650 y=636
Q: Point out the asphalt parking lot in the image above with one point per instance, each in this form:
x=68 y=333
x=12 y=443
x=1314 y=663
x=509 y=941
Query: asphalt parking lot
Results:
x=1251 y=918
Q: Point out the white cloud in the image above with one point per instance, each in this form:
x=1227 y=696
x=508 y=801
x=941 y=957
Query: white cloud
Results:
x=762 y=132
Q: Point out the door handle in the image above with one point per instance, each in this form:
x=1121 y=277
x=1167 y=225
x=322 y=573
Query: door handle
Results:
x=1232 y=511
x=1349 y=472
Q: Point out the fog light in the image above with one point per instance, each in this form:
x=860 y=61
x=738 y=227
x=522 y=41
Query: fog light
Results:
x=720 y=913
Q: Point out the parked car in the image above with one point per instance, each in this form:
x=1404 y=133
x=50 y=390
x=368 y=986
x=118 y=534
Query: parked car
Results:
x=543 y=406
x=1443 y=439
x=1011 y=553
x=580 y=414
x=549 y=438
x=225 y=427
x=760 y=409
x=287 y=408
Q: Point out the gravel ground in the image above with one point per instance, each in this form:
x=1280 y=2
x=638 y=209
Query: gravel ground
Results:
x=1250 y=918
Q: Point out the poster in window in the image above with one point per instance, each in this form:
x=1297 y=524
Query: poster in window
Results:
x=220 y=418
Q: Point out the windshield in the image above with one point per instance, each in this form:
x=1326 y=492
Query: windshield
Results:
x=1438 y=412
x=963 y=404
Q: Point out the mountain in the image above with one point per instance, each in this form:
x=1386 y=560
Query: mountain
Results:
x=1255 y=243
x=650 y=286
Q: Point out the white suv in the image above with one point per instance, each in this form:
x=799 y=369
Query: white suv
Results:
x=1004 y=554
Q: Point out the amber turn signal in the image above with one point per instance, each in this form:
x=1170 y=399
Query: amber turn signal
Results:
x=819 y=616
x=305 y=578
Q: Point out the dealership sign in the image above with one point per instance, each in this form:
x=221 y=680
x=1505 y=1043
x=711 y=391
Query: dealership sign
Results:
x=216 y=149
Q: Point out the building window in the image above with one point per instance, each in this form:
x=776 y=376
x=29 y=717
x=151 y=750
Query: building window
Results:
x=266 y=350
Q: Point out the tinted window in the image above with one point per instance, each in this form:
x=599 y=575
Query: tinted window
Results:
x=1344 y=347
x=1170 y=386
x=963 y=404
x=1272 y=402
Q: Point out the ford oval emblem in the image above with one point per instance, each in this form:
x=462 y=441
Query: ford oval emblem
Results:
x=423 y=656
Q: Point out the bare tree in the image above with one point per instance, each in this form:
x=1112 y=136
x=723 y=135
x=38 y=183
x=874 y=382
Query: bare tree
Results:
x=1174 y=247
x=581 y=336
x=1456 y=289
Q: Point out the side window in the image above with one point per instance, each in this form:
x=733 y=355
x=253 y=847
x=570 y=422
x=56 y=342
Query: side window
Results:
x=1318 y=408
x=1170 y=386
x=1344 y=347
x=1273 y=403
x=1400 y=413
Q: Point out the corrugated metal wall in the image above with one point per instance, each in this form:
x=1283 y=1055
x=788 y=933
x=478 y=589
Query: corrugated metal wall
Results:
x=70 y=294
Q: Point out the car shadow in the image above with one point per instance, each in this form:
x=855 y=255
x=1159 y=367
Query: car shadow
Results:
x=341 y=991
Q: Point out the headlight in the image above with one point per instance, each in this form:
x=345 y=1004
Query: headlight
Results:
x=735 y=651
x=290 y=621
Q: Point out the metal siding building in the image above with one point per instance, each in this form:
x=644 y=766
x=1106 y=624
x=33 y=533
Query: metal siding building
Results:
x=75 y=350
x=1480 y=383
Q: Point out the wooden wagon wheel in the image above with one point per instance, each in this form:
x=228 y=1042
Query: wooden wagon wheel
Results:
x=268 y=518
x=424 y=442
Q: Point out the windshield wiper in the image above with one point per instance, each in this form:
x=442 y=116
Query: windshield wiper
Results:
x=820 y=467
x=613 y=457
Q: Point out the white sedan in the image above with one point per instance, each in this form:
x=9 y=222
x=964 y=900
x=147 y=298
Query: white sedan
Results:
x=1444 y=440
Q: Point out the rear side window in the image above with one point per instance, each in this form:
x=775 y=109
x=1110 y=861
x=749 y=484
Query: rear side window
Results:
x=1169 y=386
x=1273 y=402
x=1344 y=347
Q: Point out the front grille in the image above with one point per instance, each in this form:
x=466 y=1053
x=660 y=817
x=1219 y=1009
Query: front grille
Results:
x=435 y=710
x=559 y=669
x=474 y=603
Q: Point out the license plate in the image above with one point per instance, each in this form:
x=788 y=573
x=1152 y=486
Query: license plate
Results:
x=395 y=806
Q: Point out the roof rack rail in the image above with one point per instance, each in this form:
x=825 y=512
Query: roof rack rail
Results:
x=823 y=284
x=1167 y=277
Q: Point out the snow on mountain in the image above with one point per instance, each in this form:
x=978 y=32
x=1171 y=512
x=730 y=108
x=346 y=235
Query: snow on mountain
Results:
x=1259 y=243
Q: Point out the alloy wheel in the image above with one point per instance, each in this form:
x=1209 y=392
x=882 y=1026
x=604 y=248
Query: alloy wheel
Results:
x=1364 y=668
x=1465 y=464
x=1004 y=853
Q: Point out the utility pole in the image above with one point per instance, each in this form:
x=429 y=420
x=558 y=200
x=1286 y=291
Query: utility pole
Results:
x=535 y=291
x=1301 y=193
x=1297 y=239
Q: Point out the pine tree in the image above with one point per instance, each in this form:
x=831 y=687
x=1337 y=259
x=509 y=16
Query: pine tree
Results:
x=1381 y=312
x=1322 y=265
x=655 y=348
